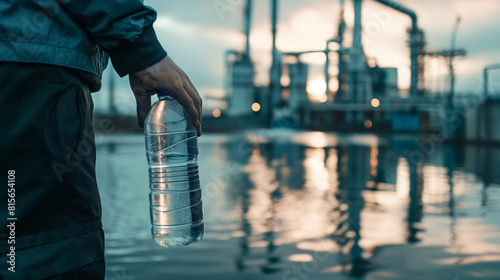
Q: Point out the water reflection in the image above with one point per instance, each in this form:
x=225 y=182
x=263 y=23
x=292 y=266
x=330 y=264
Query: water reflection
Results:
x=288 y=205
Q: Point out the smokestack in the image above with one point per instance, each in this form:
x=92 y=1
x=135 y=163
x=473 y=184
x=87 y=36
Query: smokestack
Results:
x=274 y=23
x=341 y=28
x=356 y=40
x=247 y=24
x=275 y=75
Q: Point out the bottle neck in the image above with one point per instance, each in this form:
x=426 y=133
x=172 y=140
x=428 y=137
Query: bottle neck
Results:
x=165 y=97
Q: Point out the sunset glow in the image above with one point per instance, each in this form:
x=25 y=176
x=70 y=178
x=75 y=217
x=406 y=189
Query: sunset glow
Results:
x=316 y=91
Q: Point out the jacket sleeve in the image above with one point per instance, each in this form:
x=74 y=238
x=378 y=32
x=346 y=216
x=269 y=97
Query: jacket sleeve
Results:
x=122 y=28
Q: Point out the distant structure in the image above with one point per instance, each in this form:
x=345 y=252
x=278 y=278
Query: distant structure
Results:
x=358 y=83
x=241 y=73
x=486 y=70
x=487 y=128
x=341 y=94
x=276 y=70
x=357 y=94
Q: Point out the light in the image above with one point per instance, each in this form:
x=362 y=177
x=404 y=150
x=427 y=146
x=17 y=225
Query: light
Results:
x=333 y=46
x=256 y=107
x=316 y=90
x=334 y=84
x=285 y=81
x=375 y=102
x=216 y=113
x=368 y=124
x=300 y=258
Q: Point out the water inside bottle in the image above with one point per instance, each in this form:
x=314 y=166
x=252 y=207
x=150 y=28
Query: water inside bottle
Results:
x=175 y=198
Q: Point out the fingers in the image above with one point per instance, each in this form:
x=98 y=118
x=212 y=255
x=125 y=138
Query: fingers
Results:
x=186 y=95
x=189 y=105
x=199 y=100
x=142 y=95
x=165 y=75
x=197 y=104
x=143 y=107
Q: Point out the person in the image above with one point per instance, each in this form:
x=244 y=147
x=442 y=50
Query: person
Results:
x=52 y=55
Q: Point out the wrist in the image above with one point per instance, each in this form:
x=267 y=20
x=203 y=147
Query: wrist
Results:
x=144 y=51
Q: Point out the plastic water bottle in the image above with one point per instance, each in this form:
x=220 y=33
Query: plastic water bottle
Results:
x=172 y=152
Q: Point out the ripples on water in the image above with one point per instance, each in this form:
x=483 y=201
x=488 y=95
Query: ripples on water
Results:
x=312 y=205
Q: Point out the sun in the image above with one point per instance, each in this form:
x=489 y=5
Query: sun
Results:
x=316 y=91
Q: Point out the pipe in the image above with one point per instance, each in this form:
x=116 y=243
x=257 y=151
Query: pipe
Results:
x=275 y=73
x=341 y=28
x=314 y=51
x=492 y=66
x=357 y=31
x=453 y=41
x=399 y=7
x=479 y=113
x=341 y=63
x=357 y=66
x=274 y=23
x=248 y=24
x=413 y=41
x=327 y=76
x=485 y=82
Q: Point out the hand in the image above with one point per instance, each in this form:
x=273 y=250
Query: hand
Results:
x=165 y=75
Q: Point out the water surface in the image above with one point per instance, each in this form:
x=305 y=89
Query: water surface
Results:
x=312 y=205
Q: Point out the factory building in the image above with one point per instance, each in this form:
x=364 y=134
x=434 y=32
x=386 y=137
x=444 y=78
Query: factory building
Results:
x=366 y=96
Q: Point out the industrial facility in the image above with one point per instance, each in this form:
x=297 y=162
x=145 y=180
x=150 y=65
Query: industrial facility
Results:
x=365 y=96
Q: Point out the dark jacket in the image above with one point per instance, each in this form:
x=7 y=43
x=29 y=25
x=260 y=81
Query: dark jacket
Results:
x=47 y=135
x=80 y=35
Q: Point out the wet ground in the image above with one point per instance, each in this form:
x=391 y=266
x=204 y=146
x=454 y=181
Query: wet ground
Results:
x=311 y=205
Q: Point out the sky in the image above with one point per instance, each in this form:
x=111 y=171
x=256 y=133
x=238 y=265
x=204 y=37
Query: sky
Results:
x=197 y=33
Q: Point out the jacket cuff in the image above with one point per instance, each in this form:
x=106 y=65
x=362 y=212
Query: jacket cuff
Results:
x=130 y=57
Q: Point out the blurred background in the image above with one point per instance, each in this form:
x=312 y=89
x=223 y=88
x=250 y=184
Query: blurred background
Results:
x=353 y=139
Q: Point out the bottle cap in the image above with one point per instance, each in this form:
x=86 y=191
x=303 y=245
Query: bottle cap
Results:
x=161 y=93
